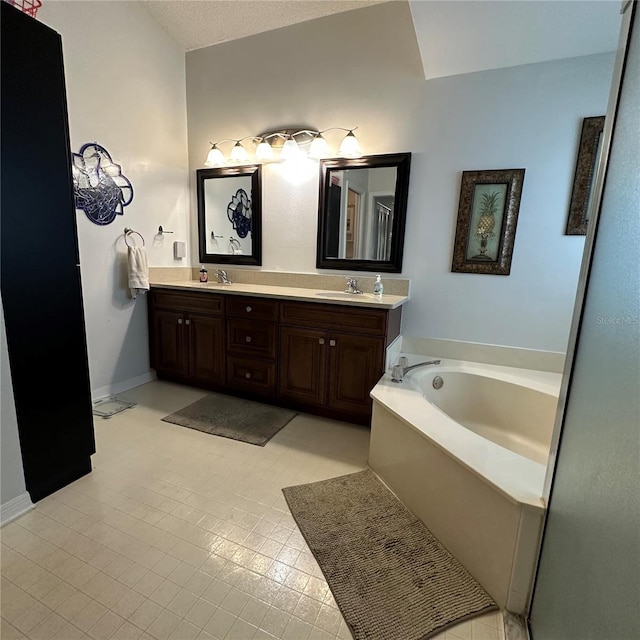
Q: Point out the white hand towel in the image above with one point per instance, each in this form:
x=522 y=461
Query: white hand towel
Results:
x=138 y=271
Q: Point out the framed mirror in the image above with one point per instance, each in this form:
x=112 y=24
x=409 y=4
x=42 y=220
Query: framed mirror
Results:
x=230 y=214
x=362 y=212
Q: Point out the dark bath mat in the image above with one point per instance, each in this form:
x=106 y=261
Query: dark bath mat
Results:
x=390 y=576
x=236 y=418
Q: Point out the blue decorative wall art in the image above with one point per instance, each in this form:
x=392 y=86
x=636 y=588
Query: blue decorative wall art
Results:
x=239 y=213
x=100 y=188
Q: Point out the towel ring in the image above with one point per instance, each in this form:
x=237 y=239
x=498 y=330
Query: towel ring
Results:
x=127 y=232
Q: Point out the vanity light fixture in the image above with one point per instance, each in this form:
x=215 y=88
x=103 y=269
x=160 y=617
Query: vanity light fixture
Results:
x=350 y=147
x=290 y=142
x=238 y=153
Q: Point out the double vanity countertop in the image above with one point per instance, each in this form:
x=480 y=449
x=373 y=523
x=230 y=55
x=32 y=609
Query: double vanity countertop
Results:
x=288 y=293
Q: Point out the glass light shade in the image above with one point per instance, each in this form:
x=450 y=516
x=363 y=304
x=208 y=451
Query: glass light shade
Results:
x=215 y=158
x=264 y=151
x=319 y=147
x=290 y=150
x=350 y=147
x=238 y=153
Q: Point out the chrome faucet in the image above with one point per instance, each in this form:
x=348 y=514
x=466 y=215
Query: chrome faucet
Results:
x=352 y=286
x=221 y=275
x=399 y=371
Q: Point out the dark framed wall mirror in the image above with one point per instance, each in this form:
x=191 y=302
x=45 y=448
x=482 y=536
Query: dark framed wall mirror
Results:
x=230 y=214
x=362 y=212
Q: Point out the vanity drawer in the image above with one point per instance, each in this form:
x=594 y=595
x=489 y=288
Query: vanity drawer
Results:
x=251 y=337
x=254 y=308
x=251 y=374
x=176 y=301
x=334 y=317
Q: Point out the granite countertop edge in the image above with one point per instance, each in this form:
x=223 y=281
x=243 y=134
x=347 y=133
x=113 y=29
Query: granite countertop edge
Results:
x=288 y=293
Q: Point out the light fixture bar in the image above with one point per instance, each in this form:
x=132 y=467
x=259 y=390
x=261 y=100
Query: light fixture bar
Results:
x=291 y=143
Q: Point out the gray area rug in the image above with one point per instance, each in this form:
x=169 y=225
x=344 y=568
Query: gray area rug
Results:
x=236 y=418
x=390 y=576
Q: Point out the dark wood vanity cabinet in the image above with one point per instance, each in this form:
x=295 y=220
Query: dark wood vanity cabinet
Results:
x=303 y=365
x=331 y=356
x=187 y=337
x=356 y=363
x=252 y=335
x=319 y=358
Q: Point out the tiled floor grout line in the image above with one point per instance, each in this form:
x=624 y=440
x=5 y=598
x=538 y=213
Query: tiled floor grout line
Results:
x=179 y=533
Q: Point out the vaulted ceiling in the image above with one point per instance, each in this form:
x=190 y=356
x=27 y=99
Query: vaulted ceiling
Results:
x=454 y=36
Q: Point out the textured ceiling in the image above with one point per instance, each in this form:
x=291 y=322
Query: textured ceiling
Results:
x=200 y=23
x=454 y=36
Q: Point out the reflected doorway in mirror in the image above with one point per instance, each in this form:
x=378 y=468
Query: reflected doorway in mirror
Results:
x=362 y=213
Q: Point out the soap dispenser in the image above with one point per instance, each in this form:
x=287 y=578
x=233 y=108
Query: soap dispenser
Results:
x=378 y=287
x=204 y=276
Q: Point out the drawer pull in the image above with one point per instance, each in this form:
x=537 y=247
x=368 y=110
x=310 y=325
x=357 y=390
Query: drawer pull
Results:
x=247 y=375
x=321 y=340
x=179 y=320
x=247 y=338
x=248 y=309
x=332 y=343
x=187 y=321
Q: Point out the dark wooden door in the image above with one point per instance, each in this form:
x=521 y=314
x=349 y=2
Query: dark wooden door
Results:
x=303 y=365
x=206 y=348
x=171 y=354
x=356 y=363
x=44 y=314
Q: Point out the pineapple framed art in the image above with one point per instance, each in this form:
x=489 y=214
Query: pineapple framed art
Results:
x=487 y=219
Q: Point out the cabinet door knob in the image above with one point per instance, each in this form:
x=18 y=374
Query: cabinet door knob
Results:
x=179 y=320
x=248 y=309
x=321 y=340
x=332 y=343
x=247 y=338
x=187 y=321
x=247 y=375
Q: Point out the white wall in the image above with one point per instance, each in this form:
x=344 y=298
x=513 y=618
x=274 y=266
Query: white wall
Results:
x=521 y=117
x=362 y=68
x=126 y=91
x=359 y=68
x=12 y=483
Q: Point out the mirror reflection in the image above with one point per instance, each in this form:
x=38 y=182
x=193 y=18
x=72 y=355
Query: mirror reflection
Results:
x=229 y=215
x=362 y=212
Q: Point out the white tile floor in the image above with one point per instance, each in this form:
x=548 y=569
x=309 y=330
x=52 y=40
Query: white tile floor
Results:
x=181 y=535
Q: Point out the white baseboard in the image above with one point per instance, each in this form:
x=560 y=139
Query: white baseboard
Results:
x=16 y=507
x=125 y=385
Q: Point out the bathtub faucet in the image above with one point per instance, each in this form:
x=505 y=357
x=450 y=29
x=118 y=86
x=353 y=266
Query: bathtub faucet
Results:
x=399 y=371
